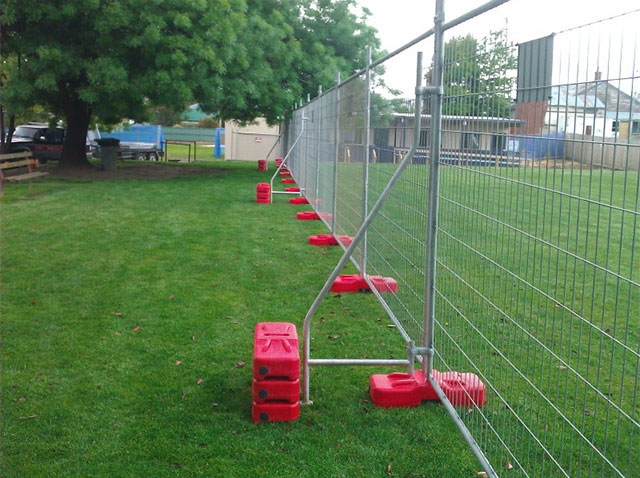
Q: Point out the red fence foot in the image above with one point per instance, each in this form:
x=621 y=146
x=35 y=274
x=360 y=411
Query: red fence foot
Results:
x=404 y=390
x=285 y=174
x=262 y=193
x=357 y=283
x=323 y=240
x=262 y=165
x=299 y=200
x=346 y=240
x=276 y=371
x=307 y=216
x=292 y=190
x=288 y=181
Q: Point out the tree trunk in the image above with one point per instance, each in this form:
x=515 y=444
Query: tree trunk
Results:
x=5 y=139
x=74 y=148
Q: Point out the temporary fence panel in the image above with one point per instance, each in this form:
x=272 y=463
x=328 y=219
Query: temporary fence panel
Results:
x=507 y=208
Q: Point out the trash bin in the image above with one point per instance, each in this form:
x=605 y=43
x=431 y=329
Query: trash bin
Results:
x=109 y=148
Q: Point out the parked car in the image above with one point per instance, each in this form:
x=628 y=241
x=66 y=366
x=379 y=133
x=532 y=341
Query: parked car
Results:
x=45 y=143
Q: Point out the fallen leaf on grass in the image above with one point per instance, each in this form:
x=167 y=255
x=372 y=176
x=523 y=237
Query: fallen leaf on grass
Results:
x=391 y=326
x=333 y=337
x=561 y=367
x=21 y=399
x=310 y=421
x=200 y=382
x=33 y=302
x=178 y=362
x=27 y=418
x=482 y=474
x=118 y=314
x=509 y=466
x=214 y=404
x=587 y=412
x=137 y=328
x=184 y=394
x=193 y=337
x=389 y=469
x=240 y=364
x=170 y=297
x=117 y=333
x=176 y=465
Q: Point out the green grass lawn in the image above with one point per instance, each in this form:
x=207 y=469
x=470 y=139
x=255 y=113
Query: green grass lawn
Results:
x=537 y=292
x=107 y=284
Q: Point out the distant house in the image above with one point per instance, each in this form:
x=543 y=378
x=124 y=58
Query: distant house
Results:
x=596 y=108
x=476 y=139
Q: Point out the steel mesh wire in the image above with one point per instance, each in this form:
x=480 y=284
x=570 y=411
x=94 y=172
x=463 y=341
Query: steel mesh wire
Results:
x=537 y=277
x=537 y=291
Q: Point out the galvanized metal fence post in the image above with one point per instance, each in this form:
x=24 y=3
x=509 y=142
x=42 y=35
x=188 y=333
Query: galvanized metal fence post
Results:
x=316 y=191
x=365 y=166
x=434 y=171
x=335 y=158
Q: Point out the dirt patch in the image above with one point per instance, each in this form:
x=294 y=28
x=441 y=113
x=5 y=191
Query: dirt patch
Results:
x=152 y=171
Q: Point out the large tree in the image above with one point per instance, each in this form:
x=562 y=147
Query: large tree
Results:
x=105 y=60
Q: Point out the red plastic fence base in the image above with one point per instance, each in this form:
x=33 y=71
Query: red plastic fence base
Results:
x=275 y=351
x=404 y=390
x=299 y=200
x=307 y=216
x=323 y=240
x=265 y=391
x=288 y=181
x=292 y=190
x=278 y=161
x=262 y=165
x=275 y=412
x=357 y=283
x=285 y=174
x=329 y=240
x=346 y=240
x=262 y=193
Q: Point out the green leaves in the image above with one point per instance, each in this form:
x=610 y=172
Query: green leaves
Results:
x=239 y=59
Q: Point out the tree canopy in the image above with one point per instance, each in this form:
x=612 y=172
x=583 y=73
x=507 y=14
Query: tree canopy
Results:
x=476 y=74
x=105 y=60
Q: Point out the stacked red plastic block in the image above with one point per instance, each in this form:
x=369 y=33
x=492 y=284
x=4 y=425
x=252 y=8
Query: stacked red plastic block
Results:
x=299 y=200
x=292 y=190
x=262 y=165
x=263 y=193
x=288 y=181
x=278 y=161
x=276 y=373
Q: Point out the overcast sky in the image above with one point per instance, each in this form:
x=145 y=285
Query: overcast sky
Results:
x=398 y=21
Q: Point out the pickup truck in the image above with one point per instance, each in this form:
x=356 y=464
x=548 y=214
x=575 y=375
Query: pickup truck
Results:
x=44 y=143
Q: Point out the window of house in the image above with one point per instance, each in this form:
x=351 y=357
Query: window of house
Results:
x=615 y=126
x=424 y=138
x=470 y=141
x=635 y=127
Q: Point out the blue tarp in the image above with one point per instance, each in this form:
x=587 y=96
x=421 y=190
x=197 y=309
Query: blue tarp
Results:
x=538 y=147
x=138 y=133
x=218 y=150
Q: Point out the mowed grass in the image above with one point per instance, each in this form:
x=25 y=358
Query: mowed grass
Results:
x=106 y=285
x=537 y=292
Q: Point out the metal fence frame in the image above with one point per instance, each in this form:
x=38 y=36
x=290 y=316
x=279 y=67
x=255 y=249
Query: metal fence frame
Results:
x=309 y=162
